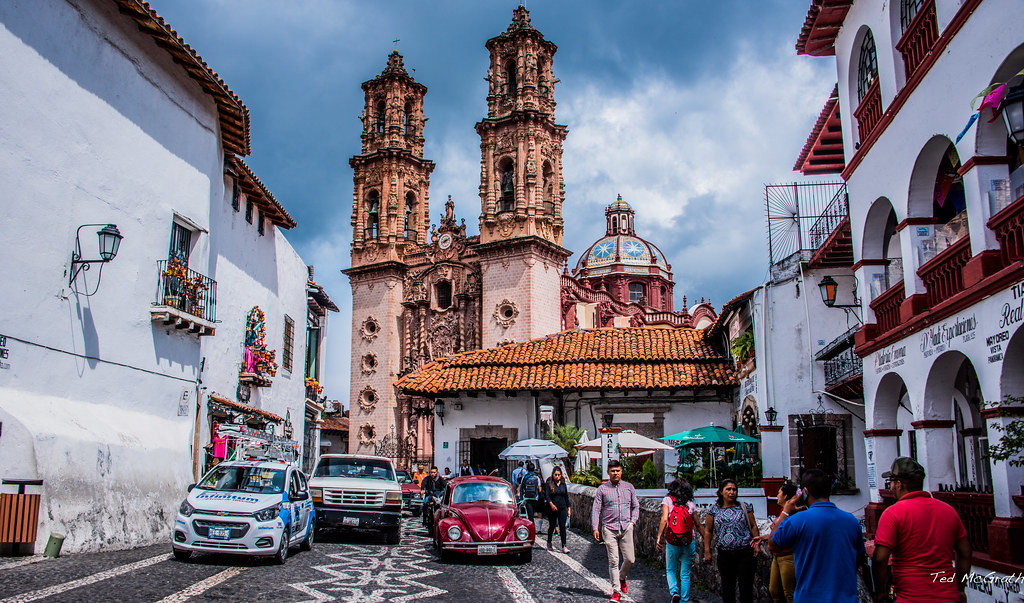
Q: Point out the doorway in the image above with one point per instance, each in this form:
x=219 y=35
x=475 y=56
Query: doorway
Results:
x=483 y=454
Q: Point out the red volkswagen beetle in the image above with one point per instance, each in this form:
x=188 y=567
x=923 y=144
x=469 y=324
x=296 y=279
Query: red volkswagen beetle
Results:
x=479 y=516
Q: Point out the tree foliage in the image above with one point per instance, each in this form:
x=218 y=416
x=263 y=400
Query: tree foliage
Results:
x=566 y=436
x=1010 y=448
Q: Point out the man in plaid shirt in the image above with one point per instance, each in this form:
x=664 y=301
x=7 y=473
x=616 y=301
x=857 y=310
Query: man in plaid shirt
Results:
x=616 y=510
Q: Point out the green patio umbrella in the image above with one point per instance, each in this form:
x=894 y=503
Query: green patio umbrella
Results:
x=710 y=436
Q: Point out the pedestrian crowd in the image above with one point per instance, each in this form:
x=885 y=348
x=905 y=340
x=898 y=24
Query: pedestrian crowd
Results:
x=921 y=553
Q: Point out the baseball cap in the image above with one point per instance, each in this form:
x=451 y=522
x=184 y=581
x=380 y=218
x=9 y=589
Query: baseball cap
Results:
x=904 y=466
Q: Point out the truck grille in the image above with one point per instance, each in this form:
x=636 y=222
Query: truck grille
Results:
x=353 y=497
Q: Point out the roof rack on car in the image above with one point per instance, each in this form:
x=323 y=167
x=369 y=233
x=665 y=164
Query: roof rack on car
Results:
x=254 y=445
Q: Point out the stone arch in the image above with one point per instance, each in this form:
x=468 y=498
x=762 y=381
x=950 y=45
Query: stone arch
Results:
x=881 y=241
x=853 y=77
x=921 y=193
x=891 y=391
x=506 y=185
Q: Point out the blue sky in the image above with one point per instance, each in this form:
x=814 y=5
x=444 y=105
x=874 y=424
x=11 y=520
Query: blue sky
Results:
x=685 y=108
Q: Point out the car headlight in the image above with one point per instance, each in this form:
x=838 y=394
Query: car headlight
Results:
x=522 y=533
x=268 y=513
x=186 y=509
x=393 y=497
x=454 y=533
x=316 y=494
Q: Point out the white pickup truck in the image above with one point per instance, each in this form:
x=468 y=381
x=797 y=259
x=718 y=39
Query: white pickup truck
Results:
x=357 y=492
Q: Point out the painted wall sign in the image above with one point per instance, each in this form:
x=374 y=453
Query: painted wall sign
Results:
x=938 y=338
x=4 y=353
x=183 y=405
x=609 y=450
x=890 y=357
x=869 y=452
x=750 y=385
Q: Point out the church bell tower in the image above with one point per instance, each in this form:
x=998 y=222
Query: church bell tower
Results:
x=521 y=188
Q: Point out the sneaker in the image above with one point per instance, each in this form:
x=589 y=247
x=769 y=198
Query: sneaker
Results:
x=616 y=596
x=549 y=545
x=676 y=598
x=625 y=589
x=565 y=550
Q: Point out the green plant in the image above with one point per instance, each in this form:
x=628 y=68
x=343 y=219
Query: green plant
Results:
x=591 y=476
x=566 y=436
x=1010 y=448
x=743 y=346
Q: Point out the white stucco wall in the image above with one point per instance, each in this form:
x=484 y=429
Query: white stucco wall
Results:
x=517 y=412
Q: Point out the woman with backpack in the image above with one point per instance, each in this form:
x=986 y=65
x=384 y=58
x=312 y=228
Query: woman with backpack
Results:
x=558 y=508
x=678 y=521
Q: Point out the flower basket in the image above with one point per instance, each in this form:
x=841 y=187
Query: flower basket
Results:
x=173 y=301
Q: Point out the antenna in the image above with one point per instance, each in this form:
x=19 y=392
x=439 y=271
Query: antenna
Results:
x=396 y=41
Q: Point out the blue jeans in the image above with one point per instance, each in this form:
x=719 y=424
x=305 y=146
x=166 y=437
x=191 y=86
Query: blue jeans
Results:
x=677 y=568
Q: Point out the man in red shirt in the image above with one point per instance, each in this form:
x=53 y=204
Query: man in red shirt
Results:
x=921 y=535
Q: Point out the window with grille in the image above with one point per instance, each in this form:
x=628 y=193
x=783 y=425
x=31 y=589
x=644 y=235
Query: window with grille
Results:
x=868 y=70
x=249 y=207
x=236 y=195
x=181 y=243
x=289 y=343
x=823 y=441
x=636 y=292
x=261 y=218
x=909 y=10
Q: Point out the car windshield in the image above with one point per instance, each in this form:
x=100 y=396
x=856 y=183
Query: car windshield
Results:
x=486 y=492
x=403 y=476
x=260 y=480
x=330 y=467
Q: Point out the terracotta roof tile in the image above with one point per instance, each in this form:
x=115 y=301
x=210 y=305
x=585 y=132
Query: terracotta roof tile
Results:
x=340 y=424
x=591 y=359
x=237 y=406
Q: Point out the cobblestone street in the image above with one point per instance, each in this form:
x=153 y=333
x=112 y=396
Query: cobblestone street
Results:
x=340 y=568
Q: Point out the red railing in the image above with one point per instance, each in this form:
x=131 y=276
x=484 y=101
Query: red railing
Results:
x=919 y=38
x=943 y=274
x=1008 y=226
x=976 y=511
x=887 y=307
x=869 y=111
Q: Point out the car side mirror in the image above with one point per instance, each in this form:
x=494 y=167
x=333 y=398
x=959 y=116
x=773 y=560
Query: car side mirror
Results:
x=190 y=486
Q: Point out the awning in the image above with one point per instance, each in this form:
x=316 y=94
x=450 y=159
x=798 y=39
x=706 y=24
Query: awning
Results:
x=248 y=411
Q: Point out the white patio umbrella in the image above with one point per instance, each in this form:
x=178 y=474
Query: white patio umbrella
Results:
x=630 y=442
x=527 y=450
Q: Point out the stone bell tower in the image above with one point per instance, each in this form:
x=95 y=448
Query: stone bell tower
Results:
x=390 y=218
x=521 y=188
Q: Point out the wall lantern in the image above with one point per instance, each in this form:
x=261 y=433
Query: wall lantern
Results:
x=771 y=414
x=439 y=410
x=828 y=288
x=607 y=419
x=1013 y=114
x=109 y=242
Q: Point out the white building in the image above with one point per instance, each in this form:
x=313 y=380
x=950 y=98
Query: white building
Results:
x=111 y=376
x=935 y=225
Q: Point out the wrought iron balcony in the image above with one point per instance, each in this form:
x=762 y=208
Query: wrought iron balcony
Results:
x=840 y=361
x=185 y=298
x=830 y=219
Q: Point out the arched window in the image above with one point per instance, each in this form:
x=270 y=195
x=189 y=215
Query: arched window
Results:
x=636 y=292
x=410 y=200
x=949 y=204
x=373 y=215
x=511 y=84
x=381 y=110
x=444 y=294
x=407 y=119
x=507 y=198
x=909 y=10
x=867 y=71
x=615 y=224
x=549 y=189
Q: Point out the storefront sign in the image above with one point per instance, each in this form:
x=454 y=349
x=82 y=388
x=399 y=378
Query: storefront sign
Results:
x=4 y=353
x=890 y=357
x=609 y=450
x=940 y=337
x=750 y=385
x=869 y=451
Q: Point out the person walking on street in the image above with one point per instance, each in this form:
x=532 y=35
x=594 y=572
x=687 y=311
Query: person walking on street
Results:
x=921 y=536
x=465 y=469
x=530 y=492
x=679 y=519
x=559 y=510
x=826 y=543
x=517 y=474
x=616 y=510
x=417 y=477
x=782 y=583
x=733 y=528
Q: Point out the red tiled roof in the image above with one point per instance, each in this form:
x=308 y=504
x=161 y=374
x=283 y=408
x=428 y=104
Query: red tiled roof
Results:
x=234 y=116
x=590 y=359
x=823 y=151
x=245 y=409
x=821 y=26
x=340 y=424
x=260 y=194
x=727 y=308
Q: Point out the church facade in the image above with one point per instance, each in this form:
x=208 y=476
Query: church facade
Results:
x=422 y=292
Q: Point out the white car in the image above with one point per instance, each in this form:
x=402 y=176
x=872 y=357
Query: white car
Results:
x=246 y=507
x=357 y=492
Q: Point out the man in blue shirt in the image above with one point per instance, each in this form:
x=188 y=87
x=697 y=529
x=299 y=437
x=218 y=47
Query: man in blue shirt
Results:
x=826 y=542
x=517 y=474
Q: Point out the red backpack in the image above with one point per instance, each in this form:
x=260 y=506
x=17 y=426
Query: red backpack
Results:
x=679 y=529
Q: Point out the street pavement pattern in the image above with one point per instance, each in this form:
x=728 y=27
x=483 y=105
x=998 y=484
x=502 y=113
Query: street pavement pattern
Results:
x=357 y=567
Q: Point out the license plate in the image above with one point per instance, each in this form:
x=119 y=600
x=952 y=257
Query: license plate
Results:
x=220 y=533
x=349 y=521
x=487 y=549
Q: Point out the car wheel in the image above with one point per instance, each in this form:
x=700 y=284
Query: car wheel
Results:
x=446 y=556
x=526 y=556
x=182 y=555
x=394 y=535
x=307 y=544
x=282 y=551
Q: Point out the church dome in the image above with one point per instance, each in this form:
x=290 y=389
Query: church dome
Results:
x=620 y=245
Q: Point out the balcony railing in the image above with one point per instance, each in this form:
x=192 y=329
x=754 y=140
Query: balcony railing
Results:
x=943 y=274
x=869 y=111
x=976 y=511
x=919 y=38
x=840 y=368
x=887 y=307
x=830 y=219
x=1008 y=226
x=189 y=291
